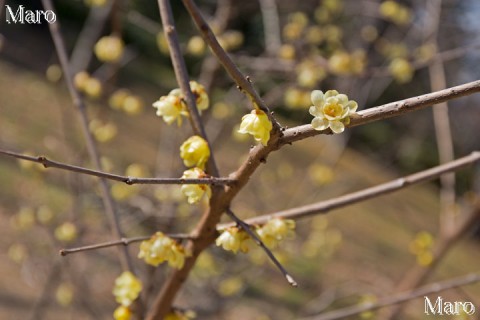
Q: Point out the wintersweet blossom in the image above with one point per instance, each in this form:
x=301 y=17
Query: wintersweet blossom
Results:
x=234 y=239
x=127 y=288
x=276 y=230
x=122 y=313
x=201 y=97
x=171 y=108
x=195 y=192
x=195 y=152
x=331 y=110
x=109 y=49
x=160 y=248
x=258 y=125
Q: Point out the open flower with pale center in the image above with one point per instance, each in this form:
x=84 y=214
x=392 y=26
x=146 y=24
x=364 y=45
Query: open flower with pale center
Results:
x=276 y=230
x=195 y=152
x=234 y=239
x=127 y=288
x=171 y=108
x=258 y=125
x=160 y=248
x=331 y=110
x=195 y=192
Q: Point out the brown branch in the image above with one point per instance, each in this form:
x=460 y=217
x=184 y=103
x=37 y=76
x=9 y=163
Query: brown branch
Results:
x=241 y=80
x=260 y=243
x=400 y=298
x=91 y=147
x=388 y=110
x=123 y=241
x=126 y=179
x=323 y=207
x=181 y=74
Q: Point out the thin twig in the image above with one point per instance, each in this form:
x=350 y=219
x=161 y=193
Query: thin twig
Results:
x=259 y=242
x=126 y=179
x=241 y=80
x=181 y=74
x=123 y=241
x=323 y=207
x=399 y=298
x=92 y=149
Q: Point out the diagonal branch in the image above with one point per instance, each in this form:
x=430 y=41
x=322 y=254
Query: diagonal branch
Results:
x=399 y=298
x=241 y=80
x=260 y=243
x=181 y=74
x=323 y=207
x=126 y=179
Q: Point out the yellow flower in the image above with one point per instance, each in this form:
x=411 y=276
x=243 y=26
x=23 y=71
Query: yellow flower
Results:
x=196 y=46
x=276 y=230
x=180 y=315
x=160 y=248
x=171 y=108
x=109 y=49
x=122 y=313
x=127 y=288
x=401 y=70
x=331 y=110
x=201 y=97
x=66 y=232
x=195 y=192
x=258 y=125
x=234 y=239
x=195 y=152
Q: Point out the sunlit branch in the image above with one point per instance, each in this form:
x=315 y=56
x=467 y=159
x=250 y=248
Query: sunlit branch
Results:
x=121 y=242
x=260 y=243
x=47 y=163
x=323 y=207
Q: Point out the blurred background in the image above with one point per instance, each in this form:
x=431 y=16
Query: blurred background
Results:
x=373 y=51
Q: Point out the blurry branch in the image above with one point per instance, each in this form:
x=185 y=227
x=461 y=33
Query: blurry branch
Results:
x=92 y=149
x=373 y=192
x=181 y=74
x=83 y=51
x=260 y=243
x=271 y=26
x=387 y=110
x=443 y=133
x=242 y=81
x=400 y=298
x=417 y=274
x=123 y=242
x=128 y=180
x=38 y=309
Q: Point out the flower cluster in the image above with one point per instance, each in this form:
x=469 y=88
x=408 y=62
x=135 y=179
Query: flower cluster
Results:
x=109 y=49
x=395 y=12
x=172 y=106
x=195 y=152
x=91 y=86
x=258 y=125
x=195 y=192
x=331 y=110
x=160 y=248
x=421 y=247
x=123 y=100
x=276 y=230
x=234 y=239
x=126 y=290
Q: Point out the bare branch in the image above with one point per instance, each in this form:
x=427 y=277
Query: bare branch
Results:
x=123 y=241
x=271 y=26
x=259 y=242
x=241 y=80
x=126 y=179
x=399 y=298
x=323 y=207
